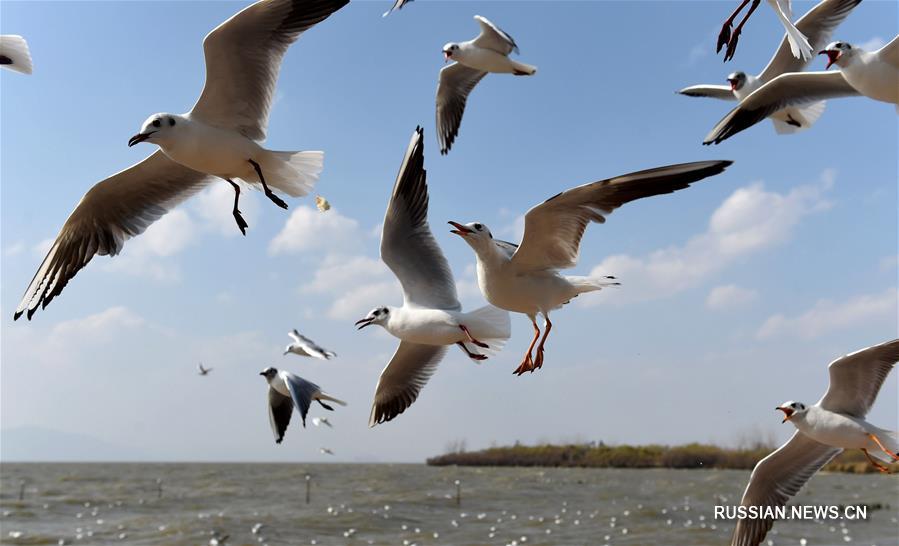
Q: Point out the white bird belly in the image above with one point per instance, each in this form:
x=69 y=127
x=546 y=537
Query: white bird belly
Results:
x=488 y=61
x=528 y=293
x=426 y=326
x=875 y=79
x=835 y=430
x=214 y=151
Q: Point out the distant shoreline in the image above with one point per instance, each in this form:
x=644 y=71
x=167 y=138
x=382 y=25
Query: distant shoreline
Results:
x=695 y=456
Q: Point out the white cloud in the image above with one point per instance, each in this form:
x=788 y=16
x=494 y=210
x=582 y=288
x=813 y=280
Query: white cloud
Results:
x=96 y=327
x=14 y=249
x=750 y=220
x=309 y=229
x=828 y=316
x=145 y=255
x=338 y=272
x=43 y=247
x=873 y=44
x=729 y=296
x=359 y=300
x=214 y=205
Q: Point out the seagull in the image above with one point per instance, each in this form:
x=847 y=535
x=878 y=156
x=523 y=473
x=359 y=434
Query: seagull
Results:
x=201 y=370
x=217 y=138
x=287 y=390
x=325 y=451
x=397 y=5
x=319 y=421
x=14 y=53
x=799 y=46
x=872 y=74
x=489 y=52
x=525 y=279
x=304 y=346
x=818 y=24
x=834 y=423
x=431 y=317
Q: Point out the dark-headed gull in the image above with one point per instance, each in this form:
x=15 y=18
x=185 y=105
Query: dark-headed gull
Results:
x=201 y=370
x=431 y=317
x=871 y=74
x=489 y=52
x=304 y=346
x=525 y=279
x=799 y=46
x=834 y=423
x=14 y=53
x=818 y=25
x=319 y=421
x=325 y=451
x=217 y=138
x=288 y=390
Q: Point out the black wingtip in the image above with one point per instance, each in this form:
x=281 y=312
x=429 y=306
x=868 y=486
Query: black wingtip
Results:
x=16 y=315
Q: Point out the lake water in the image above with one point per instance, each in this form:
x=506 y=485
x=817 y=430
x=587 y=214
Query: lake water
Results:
x=409 y=504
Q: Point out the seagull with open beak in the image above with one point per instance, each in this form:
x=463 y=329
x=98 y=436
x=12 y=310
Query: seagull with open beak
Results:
x=525 y=279
x=835 y=423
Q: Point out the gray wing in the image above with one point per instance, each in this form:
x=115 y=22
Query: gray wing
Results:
x=493 y=37
x=403 y=378
x=301 y=391
x=14 y=54
x=311 y=347
x=456 y=82
x=776 y=479
x=855 y=379
x=792 y=89
x=817 y=25
x=280 y=408
x=722 y=92
x=110 y=213
x=890 y=52
x=243 y=58
x=397 y=5
x=553 y=229
x=508 y=248
x=407 y=244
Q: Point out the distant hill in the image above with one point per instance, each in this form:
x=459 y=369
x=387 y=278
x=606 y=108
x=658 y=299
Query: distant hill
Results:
x=33 y=444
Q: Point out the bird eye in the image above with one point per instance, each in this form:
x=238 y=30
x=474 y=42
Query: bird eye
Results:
x=478 y=227
x=792 y=405
x=171 y=122
x=156 y=123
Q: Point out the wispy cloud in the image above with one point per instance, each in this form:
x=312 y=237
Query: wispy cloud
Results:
x=729 y=296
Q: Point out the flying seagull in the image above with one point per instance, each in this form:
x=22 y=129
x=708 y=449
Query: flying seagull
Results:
x=319 y=421
x=834 y=423
x=325 y=451
x=304 y=346
x=217 y=138
x=201 y=370
x=818 y=24
x=489 y=52
x=431 y=317
x=397 y=5
x=799 y=46
x=871 y=74
x=14 y=53
x=287 y=390
x=525 y=279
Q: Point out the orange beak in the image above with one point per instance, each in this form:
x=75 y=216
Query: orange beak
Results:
x=788 y=412
x=460 y=230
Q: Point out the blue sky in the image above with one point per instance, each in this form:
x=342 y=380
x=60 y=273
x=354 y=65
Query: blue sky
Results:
x=736 y=292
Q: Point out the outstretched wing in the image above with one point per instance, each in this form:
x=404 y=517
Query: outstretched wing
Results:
x=456 y=82
x=301 y=391
x=493 y=37
x=721 y=92
x=553 y=229
x=280 y=408
x=403 y=378
x=855 y=379
x=113 y=211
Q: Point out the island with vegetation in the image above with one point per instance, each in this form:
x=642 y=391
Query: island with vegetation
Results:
x=600 y=455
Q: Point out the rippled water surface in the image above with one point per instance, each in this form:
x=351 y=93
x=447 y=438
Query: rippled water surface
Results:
x=408 y=504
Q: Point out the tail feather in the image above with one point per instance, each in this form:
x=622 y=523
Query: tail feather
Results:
x=799 y=45
x=522 y=69
x=590 y=284
x=17 y=56
x=293 y=173
x=326 y=396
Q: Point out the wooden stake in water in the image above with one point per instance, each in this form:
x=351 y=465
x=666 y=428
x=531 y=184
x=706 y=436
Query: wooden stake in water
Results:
x=308 y=486
x=458 y=493
x=158 y=488
x=22 y=489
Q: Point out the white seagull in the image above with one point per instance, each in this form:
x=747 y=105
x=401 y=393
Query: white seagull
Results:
x=872 y=74
x=397 y=5
x=304 y=346
x=834 y=423
x=525 y=279
x=287 y=390
x=799 y=46
x=14 y=53
x=818 y=24
x=217 y=138
x=489 y=52
x=431 y=317
x=325 y=451
x=201 y=370
x=319 y=421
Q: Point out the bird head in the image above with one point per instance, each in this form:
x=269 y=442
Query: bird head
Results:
x=836 y=52
x=379 y=315
x=288 y=349
x=736 y=80
x=269 y=373
x=791 y=408
x=475 y=234
x=156 y=129
x=449 y=50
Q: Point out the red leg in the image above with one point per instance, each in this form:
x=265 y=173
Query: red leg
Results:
x=724 y=36
x=472 y=339
x=538 y=361
x=732 y=44
x=471 y=355
x=527 y=364
x=892 y=455
x=877 y=465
